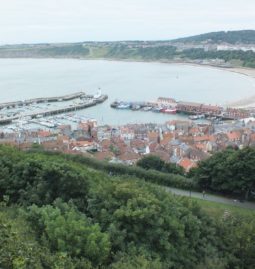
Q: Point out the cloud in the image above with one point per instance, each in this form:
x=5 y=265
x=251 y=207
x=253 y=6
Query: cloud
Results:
x=31 y=21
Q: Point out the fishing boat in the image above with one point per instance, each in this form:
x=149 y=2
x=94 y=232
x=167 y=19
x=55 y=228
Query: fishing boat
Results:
x=135 y=107
x=147 y=108
x=156 y=109
x=197 y=117
x=169 y=110
x=123 y=106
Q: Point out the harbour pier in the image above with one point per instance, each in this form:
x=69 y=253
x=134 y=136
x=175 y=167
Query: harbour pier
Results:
x=43 y=100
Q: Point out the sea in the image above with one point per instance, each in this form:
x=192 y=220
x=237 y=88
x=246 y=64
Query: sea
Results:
x=22 y=79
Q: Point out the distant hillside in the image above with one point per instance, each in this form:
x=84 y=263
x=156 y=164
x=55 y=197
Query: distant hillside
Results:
x=147 y=50
x=232 y=37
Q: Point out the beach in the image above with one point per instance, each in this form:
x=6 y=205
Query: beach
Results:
x=245 y=102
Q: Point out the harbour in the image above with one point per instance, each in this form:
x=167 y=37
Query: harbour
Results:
x=194 y=110
x=43 y=107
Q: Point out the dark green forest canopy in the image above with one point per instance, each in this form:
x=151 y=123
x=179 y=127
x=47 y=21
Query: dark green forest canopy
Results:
x=59 y=213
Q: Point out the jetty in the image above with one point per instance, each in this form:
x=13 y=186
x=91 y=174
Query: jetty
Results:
x=86 y=102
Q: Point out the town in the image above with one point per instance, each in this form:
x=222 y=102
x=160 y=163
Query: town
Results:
x=183 y=143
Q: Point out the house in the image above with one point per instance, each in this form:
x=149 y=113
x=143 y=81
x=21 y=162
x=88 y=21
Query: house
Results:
x=234 y=136
x=140 y=146
x=187 y=164
x=153 y=136
x=163 y=155
x=65 y=129
x=127 y=133
x=84 y=146
x=104 y=155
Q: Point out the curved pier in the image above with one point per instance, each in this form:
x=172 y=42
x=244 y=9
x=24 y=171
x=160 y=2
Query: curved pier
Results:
x=43 y=100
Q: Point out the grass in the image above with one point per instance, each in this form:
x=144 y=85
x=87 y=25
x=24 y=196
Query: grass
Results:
x=215 y=209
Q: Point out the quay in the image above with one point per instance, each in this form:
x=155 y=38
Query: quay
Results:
x=43 y=100
x=90 y=101
x=193 y=109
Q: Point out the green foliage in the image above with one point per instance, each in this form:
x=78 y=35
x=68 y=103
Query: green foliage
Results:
x=230 y=171
x=151 y=162
x=36 y=179
x=68 y=231
x=151 y=222
x=136 y=262
x=58 y=211
x=165 y=178
x=75 y=50
x=232 y=37
x=237 y=242
x=247 y=57
x=18 y=250
x=155 y=163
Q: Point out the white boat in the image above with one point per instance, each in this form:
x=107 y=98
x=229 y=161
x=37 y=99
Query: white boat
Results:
x=147 y=108
x=123 y=106
x=197 y=117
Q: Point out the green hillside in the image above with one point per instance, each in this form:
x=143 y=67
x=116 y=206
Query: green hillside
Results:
x=231 y=37
x=56 y=211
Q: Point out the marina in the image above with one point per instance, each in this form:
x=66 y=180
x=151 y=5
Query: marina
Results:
x=43 y=107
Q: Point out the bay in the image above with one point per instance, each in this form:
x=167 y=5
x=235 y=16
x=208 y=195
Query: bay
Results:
x=129 y=81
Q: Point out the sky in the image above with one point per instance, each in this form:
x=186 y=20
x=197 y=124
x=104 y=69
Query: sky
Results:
x=39 y=21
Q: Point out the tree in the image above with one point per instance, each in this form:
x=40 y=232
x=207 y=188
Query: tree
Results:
x=140 y=220
x=156 y=163
x=230 y=171
x=68 y=231
x=151 y=162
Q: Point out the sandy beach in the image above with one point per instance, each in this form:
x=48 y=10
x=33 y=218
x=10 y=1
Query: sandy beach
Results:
x=248 y=102
x=245 y=102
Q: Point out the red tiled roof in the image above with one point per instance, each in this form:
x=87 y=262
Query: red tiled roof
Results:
x=187 y=164
x=203 y=138
x=44 y=133
x=234 y=135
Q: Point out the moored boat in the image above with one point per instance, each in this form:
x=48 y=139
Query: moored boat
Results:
x=123 y=106
x=197 y=117
x=169 y=110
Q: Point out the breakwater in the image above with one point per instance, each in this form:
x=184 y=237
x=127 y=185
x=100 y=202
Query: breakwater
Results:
x=43 y=100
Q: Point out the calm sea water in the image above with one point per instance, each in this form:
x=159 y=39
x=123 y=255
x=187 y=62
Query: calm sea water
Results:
x=131 y=81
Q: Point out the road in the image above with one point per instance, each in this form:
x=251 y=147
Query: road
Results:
x=212 y=198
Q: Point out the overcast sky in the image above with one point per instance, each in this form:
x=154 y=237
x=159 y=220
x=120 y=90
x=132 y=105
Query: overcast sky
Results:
x=33 y=21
